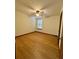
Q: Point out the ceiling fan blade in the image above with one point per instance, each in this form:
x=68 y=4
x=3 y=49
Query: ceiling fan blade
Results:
x=23 y=12
x=49 y=16
x=25 y=5
x=47 y=6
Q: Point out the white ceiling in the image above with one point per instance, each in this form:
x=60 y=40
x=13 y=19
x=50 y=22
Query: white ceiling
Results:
x=50 y=7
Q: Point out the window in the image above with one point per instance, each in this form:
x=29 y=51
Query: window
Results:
x=39 y=22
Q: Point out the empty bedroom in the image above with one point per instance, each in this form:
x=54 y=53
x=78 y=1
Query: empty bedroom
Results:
x=38 y=29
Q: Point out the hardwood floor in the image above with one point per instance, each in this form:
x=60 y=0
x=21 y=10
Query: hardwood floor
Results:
x=37 y=46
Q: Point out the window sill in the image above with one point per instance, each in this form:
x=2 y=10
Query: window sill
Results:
x=39 y=28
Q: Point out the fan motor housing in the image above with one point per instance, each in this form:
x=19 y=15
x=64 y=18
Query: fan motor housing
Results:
x=37 y=11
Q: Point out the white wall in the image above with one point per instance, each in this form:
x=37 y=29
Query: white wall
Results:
x=23 y=24
x=51 y=25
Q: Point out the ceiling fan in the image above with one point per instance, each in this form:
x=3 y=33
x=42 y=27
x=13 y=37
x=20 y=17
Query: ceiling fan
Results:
x=39 y=13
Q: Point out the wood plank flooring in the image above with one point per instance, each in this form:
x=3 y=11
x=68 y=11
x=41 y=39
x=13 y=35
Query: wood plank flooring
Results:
x=37 y=46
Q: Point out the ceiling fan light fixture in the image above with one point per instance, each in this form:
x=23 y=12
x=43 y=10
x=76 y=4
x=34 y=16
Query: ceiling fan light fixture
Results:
x=37 y=14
